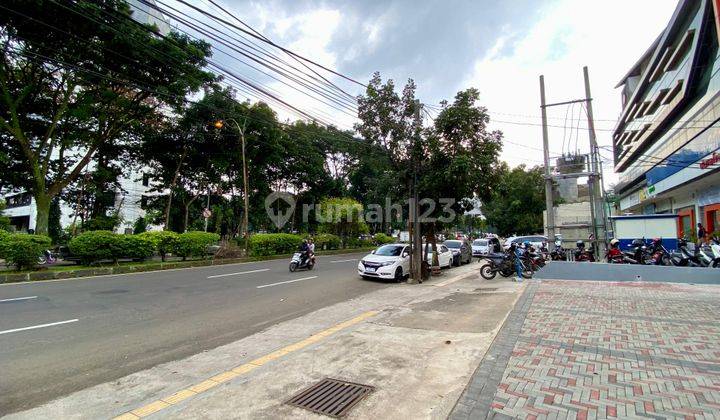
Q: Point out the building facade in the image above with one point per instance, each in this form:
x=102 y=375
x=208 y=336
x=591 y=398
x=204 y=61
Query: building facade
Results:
x=667 y=141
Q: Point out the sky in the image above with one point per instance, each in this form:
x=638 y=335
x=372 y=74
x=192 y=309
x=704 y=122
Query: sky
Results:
x=498 y=47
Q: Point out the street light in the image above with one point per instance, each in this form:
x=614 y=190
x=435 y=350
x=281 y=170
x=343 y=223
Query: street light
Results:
x=219 y=124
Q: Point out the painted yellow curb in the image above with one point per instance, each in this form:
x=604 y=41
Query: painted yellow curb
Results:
x=218 y=379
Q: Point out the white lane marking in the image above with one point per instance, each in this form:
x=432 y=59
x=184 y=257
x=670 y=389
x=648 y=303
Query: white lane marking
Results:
x=38 y=326
x=20 y=298
x=341 y=261
x=286 y=282
x=235 y=274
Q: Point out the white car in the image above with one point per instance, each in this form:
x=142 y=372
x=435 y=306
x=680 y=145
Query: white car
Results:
x=445 y=256
x=480 y=247
x=535 y=240
x=390 y=261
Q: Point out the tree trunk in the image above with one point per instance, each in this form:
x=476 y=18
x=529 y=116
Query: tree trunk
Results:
x=172 y=187
x=42 y=206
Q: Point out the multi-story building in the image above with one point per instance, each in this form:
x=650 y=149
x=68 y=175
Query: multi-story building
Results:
x=667 y=140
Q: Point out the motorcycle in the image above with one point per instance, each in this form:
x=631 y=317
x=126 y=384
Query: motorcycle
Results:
x=298 y=261
x=503 y=263
x=715 y=249
x=47 y=257
x=582 y=254
x=683 y=257
x=659 y=255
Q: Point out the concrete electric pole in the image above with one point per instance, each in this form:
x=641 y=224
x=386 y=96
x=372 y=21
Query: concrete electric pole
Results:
x=550 y=210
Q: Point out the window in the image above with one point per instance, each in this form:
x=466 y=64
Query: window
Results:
x=673 y=93
x=682 y=49
x=146 y=180
x=660 y=68
x=143 y=202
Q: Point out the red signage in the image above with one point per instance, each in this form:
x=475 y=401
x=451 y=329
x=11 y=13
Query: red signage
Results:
x=712 y=160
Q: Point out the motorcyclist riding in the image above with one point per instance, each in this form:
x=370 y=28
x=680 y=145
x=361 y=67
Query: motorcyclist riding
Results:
x=304 y=251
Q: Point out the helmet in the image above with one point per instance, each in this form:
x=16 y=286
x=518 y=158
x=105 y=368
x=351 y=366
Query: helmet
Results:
x=614 y=242
x=682 y=242
x=580 y=244
x=656 y=240
x=526 y=244
x=638 y=242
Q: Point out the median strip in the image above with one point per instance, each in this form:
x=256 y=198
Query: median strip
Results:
x=286 y=282
x=241 y=272
x=161 y=404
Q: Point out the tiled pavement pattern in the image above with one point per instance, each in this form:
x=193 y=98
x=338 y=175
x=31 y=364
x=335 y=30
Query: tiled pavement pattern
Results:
x=607 y=350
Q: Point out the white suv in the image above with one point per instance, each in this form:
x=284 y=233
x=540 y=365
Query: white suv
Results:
x=390 y=261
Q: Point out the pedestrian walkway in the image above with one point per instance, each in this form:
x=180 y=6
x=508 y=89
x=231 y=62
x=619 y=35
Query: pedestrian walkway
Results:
x=582 y=349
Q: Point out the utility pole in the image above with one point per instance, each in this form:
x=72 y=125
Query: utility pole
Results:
x=594 y=177
x=416 y=259
x=550 y=210
x=592 y=171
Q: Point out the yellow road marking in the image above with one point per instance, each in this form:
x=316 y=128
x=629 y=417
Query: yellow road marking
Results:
x=216 y=380
x=179 y=396
x=153 y=407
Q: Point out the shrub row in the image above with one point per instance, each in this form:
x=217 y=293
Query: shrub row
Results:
x=21 y=249
x=93 y=246
x=263 y=244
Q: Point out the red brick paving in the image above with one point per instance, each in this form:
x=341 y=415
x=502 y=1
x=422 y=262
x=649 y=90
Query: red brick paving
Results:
x=603 y=349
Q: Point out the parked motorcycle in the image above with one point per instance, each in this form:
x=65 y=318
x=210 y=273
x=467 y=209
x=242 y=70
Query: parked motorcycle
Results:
x=47 y=257
x=298 y=261
x=683 y=257
x=658 y=254
x=504 y=264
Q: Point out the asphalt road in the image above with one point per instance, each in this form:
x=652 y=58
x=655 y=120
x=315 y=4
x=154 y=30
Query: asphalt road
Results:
x=109 y=327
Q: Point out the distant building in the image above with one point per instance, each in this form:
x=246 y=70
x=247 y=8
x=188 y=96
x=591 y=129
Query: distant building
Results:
x=667 y=140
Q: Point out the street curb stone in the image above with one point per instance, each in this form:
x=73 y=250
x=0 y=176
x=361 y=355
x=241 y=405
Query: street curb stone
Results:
x=476 y=400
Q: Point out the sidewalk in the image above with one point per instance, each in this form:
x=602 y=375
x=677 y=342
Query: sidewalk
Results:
x=586 y=349
x=417 y=345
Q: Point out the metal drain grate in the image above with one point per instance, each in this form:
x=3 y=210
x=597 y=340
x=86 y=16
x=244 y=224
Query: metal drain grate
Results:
x=331 y=397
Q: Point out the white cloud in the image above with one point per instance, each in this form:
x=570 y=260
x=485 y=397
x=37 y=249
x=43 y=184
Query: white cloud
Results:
x=606 y=36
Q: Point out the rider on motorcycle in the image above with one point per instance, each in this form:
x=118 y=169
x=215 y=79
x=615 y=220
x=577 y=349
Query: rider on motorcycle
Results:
x=614 y=252
x=304 y=251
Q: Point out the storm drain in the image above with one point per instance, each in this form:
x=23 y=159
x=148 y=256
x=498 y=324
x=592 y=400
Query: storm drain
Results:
x=331 y=397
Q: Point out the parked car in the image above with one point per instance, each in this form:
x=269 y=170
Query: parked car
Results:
x=391 y=261
x=480 y=248
x=445 y=256
x=535 y=240
x=461 y=250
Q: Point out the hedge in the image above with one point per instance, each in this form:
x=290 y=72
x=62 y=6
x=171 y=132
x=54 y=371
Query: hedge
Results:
x=23 y=250
x=136 y=247
x=164 y=241
x=194 y=244
x=381 y=238
x=97 y=245
x=326 y=241
x=262 y=244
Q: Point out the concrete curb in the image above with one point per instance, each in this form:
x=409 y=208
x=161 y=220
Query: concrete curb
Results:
x=129 y=269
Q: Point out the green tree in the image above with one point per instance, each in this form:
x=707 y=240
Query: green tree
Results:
x=76 y=77
x=4 y=220
x=517 y=201
x=342 y=217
